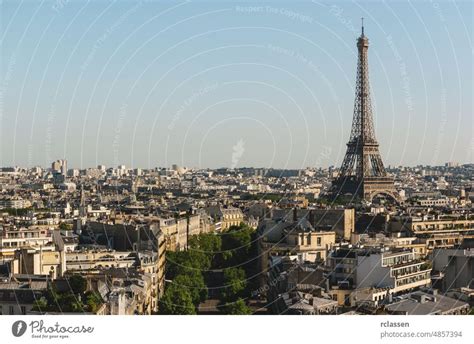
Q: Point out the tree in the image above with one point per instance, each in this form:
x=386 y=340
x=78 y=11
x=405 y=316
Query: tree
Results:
x=176 y=300
x=194 y=284
x=64 y=226
x=206 y=242
x=185 y=269
x=69 y=302
x=236 y=244
x=184 y=262
x=205 y=246
x=74 y=300
x=78 y=284
x=40 y=305
x=234 y=283
x=93 y=301
x=237 y=307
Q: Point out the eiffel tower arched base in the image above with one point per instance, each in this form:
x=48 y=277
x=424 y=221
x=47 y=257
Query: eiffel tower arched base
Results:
x=366 y=188
x=374 y=186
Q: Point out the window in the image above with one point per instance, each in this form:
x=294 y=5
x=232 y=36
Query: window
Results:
x=11 y=310
x=319 y=241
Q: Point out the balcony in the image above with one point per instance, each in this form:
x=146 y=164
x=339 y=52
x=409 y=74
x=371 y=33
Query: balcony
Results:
x=417 y=278
x=407 y=264
x=411 y=273
x=412 y=268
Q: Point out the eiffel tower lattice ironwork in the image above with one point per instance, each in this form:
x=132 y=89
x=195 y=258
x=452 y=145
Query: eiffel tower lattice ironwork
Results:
x=362 y=172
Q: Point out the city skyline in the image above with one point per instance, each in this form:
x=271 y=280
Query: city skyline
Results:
x=147 y=95
x=162 y=158
x=170 y=166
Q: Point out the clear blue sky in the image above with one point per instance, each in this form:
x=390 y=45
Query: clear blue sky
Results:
x=210 y=84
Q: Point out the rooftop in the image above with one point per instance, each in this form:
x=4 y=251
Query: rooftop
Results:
x=421 y=303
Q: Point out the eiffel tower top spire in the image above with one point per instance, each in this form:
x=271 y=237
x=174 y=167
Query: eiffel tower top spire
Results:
x=362 y=19
x=362 y=125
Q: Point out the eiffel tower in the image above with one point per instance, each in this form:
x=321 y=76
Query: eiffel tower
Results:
x=362 y=172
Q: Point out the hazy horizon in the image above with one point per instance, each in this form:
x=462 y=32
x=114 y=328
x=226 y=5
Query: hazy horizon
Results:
x=228 y=167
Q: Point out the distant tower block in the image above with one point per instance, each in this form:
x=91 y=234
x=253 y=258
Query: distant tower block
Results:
x=362 y=172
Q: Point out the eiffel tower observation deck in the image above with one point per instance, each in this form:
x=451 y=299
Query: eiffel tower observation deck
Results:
x=362 y=173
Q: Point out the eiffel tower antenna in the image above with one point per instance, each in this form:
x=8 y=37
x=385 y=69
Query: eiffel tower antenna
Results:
x=362 y=172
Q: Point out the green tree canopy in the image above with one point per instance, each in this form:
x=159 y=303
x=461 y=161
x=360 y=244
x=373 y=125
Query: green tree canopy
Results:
x=207 y=242
x=236 y=244
x=237 y=307
x=64 y=226
x=234 y=283
x=194 y=284
x=184 y=262
x=78 y=284
x=93 y=301
x=176 y=300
